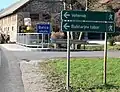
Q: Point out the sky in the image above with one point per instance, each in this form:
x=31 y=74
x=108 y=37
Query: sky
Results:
x=6 y=3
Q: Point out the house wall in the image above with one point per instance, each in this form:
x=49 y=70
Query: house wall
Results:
x=36 y=10
x=8 y=26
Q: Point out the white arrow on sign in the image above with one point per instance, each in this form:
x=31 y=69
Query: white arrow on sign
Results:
x=66 y=15
x=110 y=28
x=66 y=26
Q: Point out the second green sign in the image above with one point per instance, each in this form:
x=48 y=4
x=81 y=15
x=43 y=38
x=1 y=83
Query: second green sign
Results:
x=88 y=27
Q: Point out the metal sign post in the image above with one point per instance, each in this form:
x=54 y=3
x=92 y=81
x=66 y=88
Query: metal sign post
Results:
x=105 y=59
x=68 y=57
x=68 y=61
x=42 y=40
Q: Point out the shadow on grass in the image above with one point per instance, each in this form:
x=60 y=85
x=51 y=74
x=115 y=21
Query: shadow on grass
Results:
x=95 y=87
x=107 y=86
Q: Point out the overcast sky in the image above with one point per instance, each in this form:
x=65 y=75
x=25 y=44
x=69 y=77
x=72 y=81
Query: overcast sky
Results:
x=6 y=3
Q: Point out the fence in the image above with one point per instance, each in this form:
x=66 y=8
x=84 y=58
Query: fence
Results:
x=33 y=39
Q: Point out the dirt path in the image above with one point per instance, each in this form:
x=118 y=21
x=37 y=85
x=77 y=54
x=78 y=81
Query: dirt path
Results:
x=33 y=79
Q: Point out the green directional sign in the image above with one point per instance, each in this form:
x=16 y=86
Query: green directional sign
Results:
x=87 y=15
x=88 y=27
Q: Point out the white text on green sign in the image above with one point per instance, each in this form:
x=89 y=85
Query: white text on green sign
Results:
x=88 y=27
x=87 y=15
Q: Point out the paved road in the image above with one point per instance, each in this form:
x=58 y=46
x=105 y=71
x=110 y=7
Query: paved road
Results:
x=41 y=55
x=21 y=53
x=10 y=76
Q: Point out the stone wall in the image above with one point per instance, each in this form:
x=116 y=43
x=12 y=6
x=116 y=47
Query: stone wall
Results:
x=44 y=9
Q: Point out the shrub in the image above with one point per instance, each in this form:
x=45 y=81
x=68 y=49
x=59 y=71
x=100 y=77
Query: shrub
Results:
x=111 y=41
x=117 y=38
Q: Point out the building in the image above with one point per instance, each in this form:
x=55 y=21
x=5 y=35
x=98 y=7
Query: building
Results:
x=12 y=18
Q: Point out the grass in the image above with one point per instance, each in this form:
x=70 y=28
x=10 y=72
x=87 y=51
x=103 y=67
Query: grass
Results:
x=86 y=75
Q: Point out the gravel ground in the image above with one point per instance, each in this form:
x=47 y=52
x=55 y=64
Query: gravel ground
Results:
x=33 y=79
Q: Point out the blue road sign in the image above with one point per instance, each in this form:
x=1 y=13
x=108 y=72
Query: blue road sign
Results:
x=43 y=28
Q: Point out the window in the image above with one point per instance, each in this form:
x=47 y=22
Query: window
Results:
x=46 y=16
x=12 y=28
x=8 y=28
x=34 y=16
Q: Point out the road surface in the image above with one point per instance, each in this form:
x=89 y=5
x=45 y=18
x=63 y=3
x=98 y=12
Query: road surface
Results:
x=42 y=55
x=10 y=75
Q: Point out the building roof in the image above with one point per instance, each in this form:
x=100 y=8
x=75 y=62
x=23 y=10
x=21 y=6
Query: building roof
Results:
x=111 y=1
x=13 y=8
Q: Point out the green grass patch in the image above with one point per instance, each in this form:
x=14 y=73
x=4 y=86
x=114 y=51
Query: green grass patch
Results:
x=86 y=74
